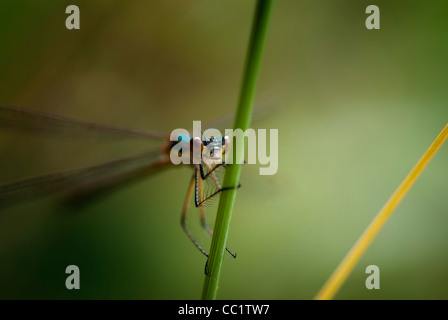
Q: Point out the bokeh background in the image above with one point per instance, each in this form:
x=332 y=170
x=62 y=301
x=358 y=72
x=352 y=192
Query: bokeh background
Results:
x=355 y=110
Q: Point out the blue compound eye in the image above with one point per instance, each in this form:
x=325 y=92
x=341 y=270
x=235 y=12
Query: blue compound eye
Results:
x=183 y=137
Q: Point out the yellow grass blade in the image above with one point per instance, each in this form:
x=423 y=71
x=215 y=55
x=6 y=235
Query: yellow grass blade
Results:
x=341 y=273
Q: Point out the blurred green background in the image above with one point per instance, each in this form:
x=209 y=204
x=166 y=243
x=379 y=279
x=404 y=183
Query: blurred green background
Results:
x=355 y=110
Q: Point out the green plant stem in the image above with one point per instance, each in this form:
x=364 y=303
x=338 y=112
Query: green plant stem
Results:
x=233 y=171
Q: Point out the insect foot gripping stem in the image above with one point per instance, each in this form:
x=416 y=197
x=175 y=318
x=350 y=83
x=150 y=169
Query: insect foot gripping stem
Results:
x=231 y=188
x=206 y=263
x=205 y=268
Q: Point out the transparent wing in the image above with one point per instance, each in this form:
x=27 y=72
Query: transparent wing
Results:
x=94 y=177
x=17 y=118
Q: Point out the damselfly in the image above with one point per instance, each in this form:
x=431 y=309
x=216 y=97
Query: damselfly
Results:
x=204 y=183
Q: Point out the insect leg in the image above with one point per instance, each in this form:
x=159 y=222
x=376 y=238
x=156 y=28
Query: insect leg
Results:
x=199 y=202
x=204 y=225
x=205 y=176
x=204 y=222
x=184 y=215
